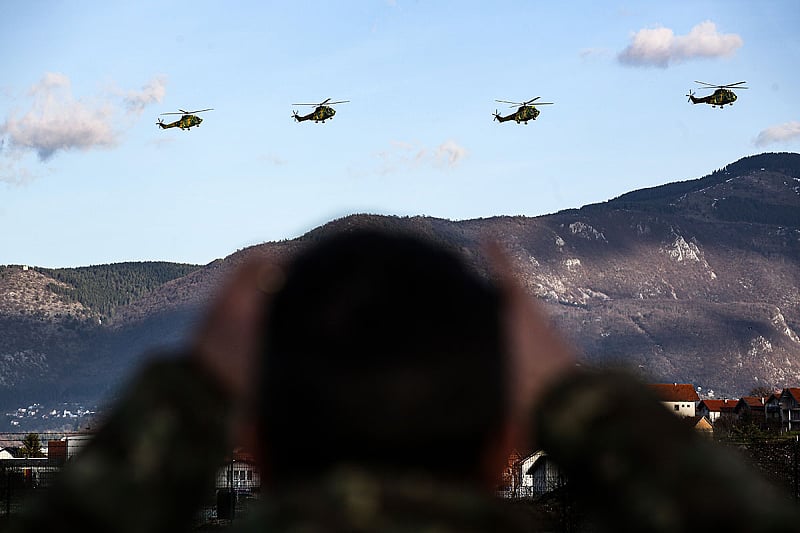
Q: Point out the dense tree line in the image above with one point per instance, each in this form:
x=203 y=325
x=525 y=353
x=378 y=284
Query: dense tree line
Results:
x=103 y=288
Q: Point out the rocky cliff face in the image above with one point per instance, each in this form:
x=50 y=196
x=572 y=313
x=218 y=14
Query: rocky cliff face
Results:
x=697 y=281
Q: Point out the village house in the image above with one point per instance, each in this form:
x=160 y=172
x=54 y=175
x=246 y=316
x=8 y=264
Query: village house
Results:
x=752 y=408
x=8 y=453
x=713 y=409
x=240 y=473
x=64 y=449
x=701 y=425
x=772 y=410
x=538 y=474
x=790 y=408
x=679 y=398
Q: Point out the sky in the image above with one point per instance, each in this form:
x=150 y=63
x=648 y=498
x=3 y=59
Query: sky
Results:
x=86 y=176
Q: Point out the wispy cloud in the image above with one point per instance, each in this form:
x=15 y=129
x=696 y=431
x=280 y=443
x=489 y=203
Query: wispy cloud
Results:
x=450 y=153
x=660 y=47
x=273 y=159
x=53 y=120
x=152 y=93
x=778 y=134
x=11 y=169
x=404 y=155
x=588 y=54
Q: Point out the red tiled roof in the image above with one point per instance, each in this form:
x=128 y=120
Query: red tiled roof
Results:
x=714 y=406
x=753 y=401
x=675 y=392
x=794 y=391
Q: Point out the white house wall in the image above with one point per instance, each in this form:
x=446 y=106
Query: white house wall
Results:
x=539 y=475
x=246 y=477
x=681 y=408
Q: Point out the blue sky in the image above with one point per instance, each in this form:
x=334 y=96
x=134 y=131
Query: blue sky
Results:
x=87 y=178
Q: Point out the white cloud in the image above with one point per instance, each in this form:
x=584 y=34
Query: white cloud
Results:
x=152 y=93
x=777 y=134
x=660 y=47
x=404 y=155
x=56 y=121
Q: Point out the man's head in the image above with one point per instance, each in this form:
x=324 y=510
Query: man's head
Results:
x=382 y=350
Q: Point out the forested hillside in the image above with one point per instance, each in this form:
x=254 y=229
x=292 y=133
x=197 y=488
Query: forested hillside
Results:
x=760 y=200
x=103 y=288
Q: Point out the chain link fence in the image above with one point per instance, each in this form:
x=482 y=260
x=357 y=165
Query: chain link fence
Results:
x=540 y=488
x=21 y=480
x=776 y=459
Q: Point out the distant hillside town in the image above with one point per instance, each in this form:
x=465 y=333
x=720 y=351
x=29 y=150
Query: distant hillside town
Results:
x=48 y=417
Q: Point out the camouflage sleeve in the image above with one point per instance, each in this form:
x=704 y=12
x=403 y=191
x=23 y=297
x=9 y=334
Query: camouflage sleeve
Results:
x=638 y=467
x=151 y=463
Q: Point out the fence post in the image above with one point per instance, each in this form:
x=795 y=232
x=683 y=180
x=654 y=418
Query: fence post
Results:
x=231 y=492
x=795 y=472
x=8 y=494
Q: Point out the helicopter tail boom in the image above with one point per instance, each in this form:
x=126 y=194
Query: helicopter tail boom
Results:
x=301 y=118
x=500 y=118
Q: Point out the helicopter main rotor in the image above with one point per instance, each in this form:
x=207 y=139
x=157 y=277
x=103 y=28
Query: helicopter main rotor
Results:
x=183 y=112
x=736 y=85
x=521 y=104
x=326 y=102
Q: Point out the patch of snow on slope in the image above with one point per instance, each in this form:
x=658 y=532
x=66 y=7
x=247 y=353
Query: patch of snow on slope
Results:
x=572 y=264
x=759 y=345
x=779 y=321
x=584 y=230
x=682 y=251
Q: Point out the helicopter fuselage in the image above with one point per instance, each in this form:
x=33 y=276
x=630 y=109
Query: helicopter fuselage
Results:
x=184 y=123
x=522 y=114
x=320 y=114
x=720 y=98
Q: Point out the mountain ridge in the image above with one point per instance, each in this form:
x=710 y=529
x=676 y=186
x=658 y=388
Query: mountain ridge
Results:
x=695 y=281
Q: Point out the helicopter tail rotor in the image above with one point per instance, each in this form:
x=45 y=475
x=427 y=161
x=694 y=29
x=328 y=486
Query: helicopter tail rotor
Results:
x=691 y=97
x=496 y=115
x=161 y=124
x=295 y=116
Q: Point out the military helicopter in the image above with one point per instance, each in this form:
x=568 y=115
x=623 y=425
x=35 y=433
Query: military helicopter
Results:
x=723 y=94
x=322 y=112
x=525 y=112
x=186 y=121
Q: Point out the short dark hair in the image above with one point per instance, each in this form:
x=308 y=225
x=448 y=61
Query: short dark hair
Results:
x=381 y=349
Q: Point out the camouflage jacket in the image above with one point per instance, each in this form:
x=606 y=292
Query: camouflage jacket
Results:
x=633 y=464
x=351 y=499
